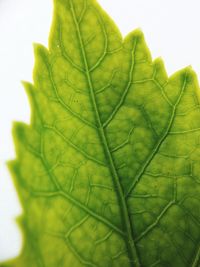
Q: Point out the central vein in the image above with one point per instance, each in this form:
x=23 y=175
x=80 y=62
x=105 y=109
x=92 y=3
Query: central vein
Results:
x=131 y=247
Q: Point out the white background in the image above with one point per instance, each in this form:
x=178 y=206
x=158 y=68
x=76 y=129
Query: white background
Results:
x=172 y=31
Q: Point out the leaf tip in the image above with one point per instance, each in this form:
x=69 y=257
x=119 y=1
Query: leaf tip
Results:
x=36 y=45
x=188 y=72
x=137 y=33
x=18 y=130
x=25 y=84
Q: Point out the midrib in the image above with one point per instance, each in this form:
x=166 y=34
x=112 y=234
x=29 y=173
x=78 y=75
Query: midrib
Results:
x=131 y=247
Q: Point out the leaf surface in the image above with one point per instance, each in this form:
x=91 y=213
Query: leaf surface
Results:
x=108 y=170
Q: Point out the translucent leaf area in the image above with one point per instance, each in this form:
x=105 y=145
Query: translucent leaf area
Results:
x=108 y=171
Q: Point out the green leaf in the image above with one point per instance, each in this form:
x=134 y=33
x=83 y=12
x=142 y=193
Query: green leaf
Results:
x=108 y=171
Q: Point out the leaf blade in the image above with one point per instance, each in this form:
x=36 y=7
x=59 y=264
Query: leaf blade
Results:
x=101 y=113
